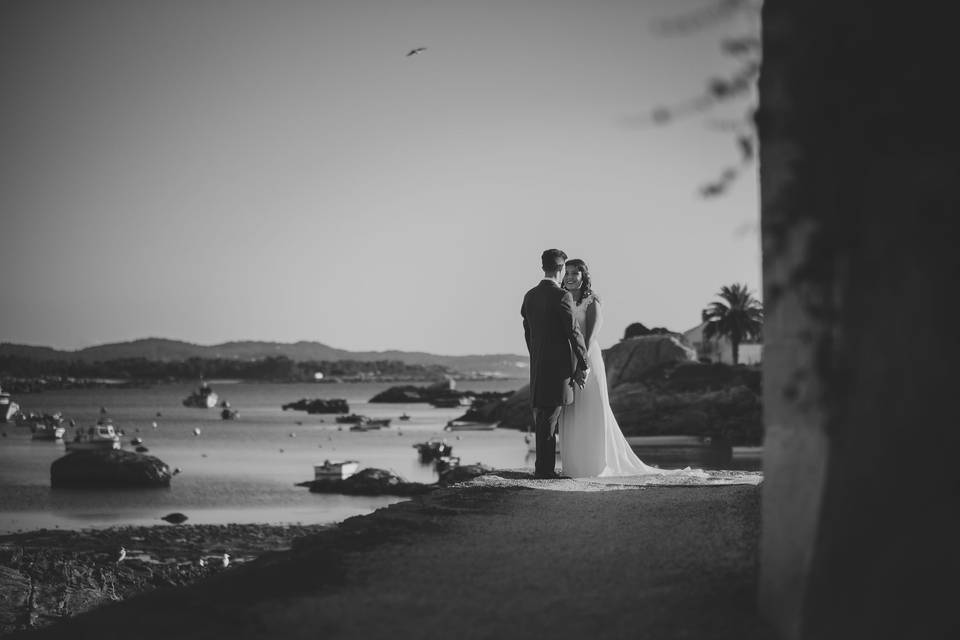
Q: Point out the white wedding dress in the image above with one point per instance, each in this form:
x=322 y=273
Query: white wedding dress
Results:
x=591 y=443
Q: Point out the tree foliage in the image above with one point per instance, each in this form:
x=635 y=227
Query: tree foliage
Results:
x=738 y=85
x=738 y=317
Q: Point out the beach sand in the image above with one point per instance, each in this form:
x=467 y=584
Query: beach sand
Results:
x=481 y=560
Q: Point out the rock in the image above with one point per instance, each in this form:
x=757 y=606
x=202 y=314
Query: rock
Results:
x=318 y=405
x=175 y=518
x=403 y=393
x=15 y=594
x=488 y=407
x=368 y=482
x=657 y=387
x=109 y=468
x=515 y=412
x=629 y=359
x=463 y=473
x=445 y=390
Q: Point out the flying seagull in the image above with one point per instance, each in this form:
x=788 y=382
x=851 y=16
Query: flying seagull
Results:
x=415 y=51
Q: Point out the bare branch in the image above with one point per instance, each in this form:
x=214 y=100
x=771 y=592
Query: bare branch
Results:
x=707 y=16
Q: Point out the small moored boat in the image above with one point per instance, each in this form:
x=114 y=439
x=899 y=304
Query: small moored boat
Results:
x=202 y=398
x=433 y=448
x=8 y=408
x=47 y=430
x=100 y=436
x=335 y=470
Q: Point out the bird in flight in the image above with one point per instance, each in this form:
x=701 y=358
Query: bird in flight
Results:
x=415 y=51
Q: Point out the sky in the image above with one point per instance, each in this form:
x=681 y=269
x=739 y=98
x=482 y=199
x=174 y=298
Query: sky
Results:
x=211 y=171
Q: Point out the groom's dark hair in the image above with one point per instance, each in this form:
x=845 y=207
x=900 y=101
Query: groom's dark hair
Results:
x=553 y=260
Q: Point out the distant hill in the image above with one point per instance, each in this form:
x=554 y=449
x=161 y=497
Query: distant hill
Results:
x=163 y=350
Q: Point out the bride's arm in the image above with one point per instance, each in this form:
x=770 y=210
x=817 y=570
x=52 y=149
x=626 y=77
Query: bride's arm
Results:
x=592 y=320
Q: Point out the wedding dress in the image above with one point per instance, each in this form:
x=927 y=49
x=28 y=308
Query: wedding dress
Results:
x=591 y=443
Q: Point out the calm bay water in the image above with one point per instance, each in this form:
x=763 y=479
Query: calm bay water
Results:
x=238 y=471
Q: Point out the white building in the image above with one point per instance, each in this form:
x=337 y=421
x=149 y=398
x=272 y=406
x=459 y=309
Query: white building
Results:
x=720 y=349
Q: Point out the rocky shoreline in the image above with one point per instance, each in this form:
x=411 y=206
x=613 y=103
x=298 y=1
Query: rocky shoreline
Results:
x=47 y=575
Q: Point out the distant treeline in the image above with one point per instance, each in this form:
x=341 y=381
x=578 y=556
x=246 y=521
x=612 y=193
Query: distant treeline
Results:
x=273 y=369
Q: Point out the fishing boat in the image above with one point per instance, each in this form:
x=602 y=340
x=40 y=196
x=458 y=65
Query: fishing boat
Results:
x=448 y=402
x=404 y=417
x=433 y=448
x=335 y=470
x=8 y=408
x=99 y=437
x=227 y=412
x=48 y=428
x=202 y=398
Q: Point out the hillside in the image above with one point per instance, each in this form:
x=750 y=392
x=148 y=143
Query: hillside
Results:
x=163 y=350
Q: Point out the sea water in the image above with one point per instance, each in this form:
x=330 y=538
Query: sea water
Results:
x=235 y=471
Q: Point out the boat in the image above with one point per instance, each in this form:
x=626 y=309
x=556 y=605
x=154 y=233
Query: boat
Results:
x=226 y=412
x=404 y=417
x=8 y=408
x=469 y=425
x=48 y=428
x=448 y=402
x=100 y=436
x=433 y=448
x=444 y=463
x=203 y=398
x=335 y=470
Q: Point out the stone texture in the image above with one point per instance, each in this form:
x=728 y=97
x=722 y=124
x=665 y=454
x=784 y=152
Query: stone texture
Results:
x=110 y=468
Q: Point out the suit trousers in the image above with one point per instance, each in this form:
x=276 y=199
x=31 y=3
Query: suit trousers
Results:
x=545 y=423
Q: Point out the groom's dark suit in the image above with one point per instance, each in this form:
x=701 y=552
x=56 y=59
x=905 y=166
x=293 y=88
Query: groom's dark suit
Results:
x=557 y=351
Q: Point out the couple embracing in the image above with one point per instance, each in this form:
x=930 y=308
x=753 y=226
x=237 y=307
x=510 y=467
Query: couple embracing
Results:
x=568 y=383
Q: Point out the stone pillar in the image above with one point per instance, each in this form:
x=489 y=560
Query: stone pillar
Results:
x=860 y=199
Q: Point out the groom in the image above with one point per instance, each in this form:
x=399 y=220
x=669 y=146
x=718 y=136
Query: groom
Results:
x=557 y=356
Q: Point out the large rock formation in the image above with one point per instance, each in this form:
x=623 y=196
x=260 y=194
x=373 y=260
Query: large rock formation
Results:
x=413 y=393
x=630 y=359
x=109 y=468
x=368 y=482
x=657 y=387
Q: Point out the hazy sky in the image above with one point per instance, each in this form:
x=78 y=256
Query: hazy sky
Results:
x=212 y=170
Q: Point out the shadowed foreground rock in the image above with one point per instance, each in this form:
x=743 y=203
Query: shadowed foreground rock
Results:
x=111 y=468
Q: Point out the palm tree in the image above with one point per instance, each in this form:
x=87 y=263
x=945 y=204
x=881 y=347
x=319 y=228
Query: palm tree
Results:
x=739 y=317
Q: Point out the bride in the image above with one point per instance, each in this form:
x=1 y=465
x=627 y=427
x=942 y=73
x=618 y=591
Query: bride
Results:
x=591 y=443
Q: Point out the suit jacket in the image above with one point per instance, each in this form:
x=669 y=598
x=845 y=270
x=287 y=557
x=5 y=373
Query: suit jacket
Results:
x=554 y=342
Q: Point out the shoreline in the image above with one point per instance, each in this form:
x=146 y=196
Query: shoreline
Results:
x=70 y=571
